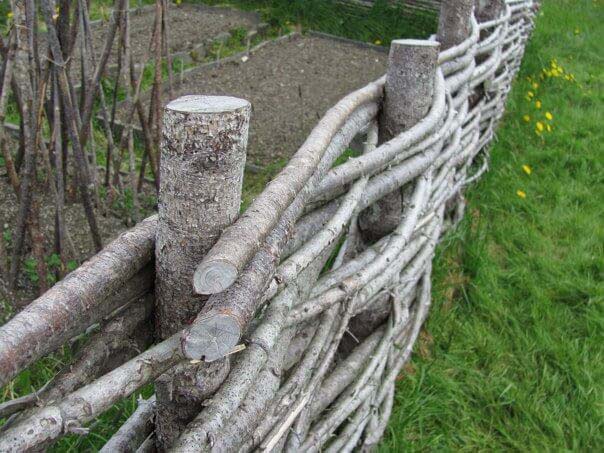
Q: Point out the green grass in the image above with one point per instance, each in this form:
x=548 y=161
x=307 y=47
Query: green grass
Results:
x=512 y=357
x=379 y=24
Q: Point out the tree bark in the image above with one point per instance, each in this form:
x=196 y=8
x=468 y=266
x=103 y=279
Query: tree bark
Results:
x=202 y=163
x=453 y=22
x=92 y=291
x=241 y=241
x=134 y=431
x=408 y=94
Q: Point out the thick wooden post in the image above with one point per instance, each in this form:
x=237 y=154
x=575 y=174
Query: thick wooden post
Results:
x=407 y=99
x=455 y=26
x=486 y=10
x=203 y=148
x=454 y=22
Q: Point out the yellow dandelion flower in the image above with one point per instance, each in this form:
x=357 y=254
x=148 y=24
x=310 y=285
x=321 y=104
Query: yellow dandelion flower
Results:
x=535 y=86
x=540 y=126
x=526 y=118
x=577 y=31
x=377 y=42
x=9 y=15
x=548 y=127
x=521 y=194
x=549 y=116
x=538 y=105
x=530 y=94
x=528 y=170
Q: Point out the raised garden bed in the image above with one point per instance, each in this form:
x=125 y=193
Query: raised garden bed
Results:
x=193 y=30
x=290 y=82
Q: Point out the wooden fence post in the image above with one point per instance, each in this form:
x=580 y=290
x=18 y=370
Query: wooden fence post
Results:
x=204 y=140
x=409 y=90
x=485 y=10
x=455 y=26
x=407 y=99
x=454 y=22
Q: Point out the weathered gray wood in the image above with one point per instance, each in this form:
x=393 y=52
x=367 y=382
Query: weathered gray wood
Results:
x=92 y=291
x=83 y=405
x=408 y=94
x=201 y=174
x=454 y=26
x=202 y=162
x=454 y=22
x=320 y=404
x=134 y=431
x=485 y=10
x=242 y=240
x=118 y=341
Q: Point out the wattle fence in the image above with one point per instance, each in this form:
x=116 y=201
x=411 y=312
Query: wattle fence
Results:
x=283 y=328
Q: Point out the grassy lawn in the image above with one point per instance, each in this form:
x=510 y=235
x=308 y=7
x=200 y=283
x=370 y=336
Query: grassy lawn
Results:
x=512 y=357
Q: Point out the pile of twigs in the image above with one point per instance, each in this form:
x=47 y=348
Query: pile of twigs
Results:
x=328 y=317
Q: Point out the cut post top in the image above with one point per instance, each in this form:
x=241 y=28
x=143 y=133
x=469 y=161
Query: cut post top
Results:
x=195 y=103
x=414 y=43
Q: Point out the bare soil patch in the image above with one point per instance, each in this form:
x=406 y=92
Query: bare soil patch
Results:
x=192 y=29
x=291 y=83
x=110 y=223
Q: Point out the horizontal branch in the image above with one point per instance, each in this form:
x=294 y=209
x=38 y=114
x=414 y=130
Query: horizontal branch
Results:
x=85 y=296
x=83 y=405
x=240 y=241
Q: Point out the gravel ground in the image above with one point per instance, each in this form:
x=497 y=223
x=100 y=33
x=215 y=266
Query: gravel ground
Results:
x=290 y=83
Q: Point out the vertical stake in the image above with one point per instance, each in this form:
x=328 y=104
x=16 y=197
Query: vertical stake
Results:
x=203 y=149
x=407 y=99
x=454 y=22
